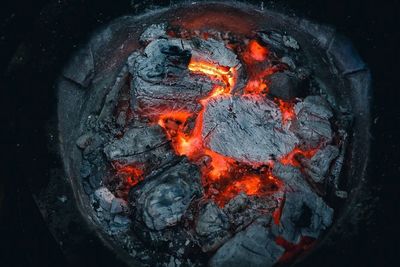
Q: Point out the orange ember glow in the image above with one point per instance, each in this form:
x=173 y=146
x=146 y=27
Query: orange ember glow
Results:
x=287 y=110
x=223 y=177
x=224 y=74
x=290 y=158
x=132 y=174
x=257 y=51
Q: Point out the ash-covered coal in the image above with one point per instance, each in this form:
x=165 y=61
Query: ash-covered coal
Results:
x=248 y=129
x=210 y=147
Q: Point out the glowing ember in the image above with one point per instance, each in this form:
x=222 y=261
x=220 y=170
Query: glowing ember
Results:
x=290 y=159
x=287 y=110
x=257 y=51
x=132 y=174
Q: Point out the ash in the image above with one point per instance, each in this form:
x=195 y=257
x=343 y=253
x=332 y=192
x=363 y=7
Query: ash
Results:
x=206 y=152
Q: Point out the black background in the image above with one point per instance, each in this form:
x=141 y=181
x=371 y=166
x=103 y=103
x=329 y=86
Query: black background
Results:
x=28 y=109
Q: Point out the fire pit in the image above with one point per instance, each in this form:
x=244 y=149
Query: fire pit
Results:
x=213 y=134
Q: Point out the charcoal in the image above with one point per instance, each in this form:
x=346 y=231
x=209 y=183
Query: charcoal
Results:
x=312 y=125
x=81 y=69
x=248 y=129
x=84 y=140
x=118 y=205
x=214 y=51
x=162 y=80
x=212 y=224
x=104 y=197
x=290 y=42
x=140 y=145
x=163 y=199
x=273 y=38
x=289 y=61
x=239 y=203
x=284 y=85
x=304 y=213
x=85 y=169
x=153 y=32
x=318 y=166
x=121 y=220
x=251 y=247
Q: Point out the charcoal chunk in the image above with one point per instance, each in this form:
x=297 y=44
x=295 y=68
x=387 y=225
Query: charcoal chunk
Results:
x=248 y=129
x=162 y=200
x=304 y=213
x=105 y=197
x=251 y=247
x=212 y=225
x=162 y=80
x=284 y=85
x=312 y=125
x=140 y=145
x=318 y=166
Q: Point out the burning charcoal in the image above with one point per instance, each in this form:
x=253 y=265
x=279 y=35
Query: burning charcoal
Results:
x=214 y=52
x=284 y=85
x=251 y=247
x=104 y=197
x=312 y=125
x=142 y=144
x=247 y=129
x=153 y=32
x=162 y=81
x=318 y=166
x=118 y=205
x=81 y=68
x=304 y=213
x=163 y=199
x=212 y=225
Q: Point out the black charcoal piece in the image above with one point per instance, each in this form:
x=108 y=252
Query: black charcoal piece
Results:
x=248 y=129
x=251 y=247
x=284 y=85
x=163 y=199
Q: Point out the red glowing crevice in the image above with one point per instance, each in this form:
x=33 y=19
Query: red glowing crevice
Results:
x=294 y=250
x=291 y=157
x=222 y=176
x=132 y=174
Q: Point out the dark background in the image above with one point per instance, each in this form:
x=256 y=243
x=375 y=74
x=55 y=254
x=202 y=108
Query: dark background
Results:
x=51 y=30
